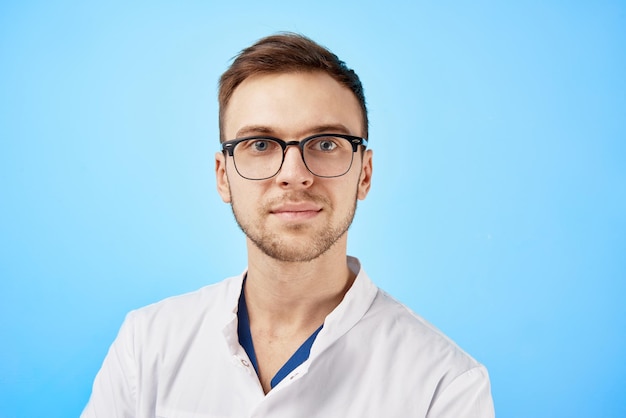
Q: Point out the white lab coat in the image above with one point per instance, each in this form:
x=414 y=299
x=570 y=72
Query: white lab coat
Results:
x=181 y=358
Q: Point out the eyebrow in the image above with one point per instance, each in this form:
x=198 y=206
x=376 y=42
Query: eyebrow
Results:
x=252 y=130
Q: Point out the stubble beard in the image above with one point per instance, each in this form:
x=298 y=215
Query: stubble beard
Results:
x=275 y=246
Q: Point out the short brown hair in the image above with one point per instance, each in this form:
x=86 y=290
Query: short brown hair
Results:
x=283 y=53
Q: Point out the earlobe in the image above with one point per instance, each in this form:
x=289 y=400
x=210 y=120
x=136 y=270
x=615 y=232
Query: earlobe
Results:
x=365 y=180
x=221 y=178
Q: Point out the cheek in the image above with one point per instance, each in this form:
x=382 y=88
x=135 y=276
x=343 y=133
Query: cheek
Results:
x=343 y=198
x=246 y=199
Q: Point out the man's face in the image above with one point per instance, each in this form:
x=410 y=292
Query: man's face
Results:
x=293 y=216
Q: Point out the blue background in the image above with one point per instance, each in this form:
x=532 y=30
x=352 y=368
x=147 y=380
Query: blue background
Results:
x=498 y=207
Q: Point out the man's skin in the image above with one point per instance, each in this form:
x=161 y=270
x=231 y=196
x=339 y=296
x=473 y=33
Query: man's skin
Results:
x=296 y=223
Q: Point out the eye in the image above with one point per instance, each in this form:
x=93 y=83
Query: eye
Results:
x=261 y=145
x=326 y=144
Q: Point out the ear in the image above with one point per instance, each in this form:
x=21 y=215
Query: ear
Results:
x=223 y=187
x=365 y=180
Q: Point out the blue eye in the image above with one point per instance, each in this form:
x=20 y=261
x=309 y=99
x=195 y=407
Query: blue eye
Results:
x=327 y=145
x=323 y=144
x=261 y=145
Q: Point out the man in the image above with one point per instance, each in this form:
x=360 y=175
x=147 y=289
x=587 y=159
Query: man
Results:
x=303 y=332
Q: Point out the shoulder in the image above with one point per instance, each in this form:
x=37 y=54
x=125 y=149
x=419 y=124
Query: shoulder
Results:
x=209 y=301
x=392 y=344
x=413 y=337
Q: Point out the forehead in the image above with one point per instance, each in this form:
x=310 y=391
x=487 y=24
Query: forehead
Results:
x=292 y=105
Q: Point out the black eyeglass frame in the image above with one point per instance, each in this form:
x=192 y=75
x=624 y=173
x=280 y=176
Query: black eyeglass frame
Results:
x=228 y=147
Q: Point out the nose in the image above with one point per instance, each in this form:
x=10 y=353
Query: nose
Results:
x=293 y=172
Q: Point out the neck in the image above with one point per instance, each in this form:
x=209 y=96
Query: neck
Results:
x=296 y=295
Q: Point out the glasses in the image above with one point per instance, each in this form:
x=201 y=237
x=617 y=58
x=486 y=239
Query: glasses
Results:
x=324 y=155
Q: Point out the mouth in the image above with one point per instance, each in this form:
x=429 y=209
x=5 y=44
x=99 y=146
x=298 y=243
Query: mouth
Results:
x=296 y=211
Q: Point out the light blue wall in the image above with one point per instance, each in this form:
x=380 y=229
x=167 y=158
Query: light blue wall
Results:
x=498 y=209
